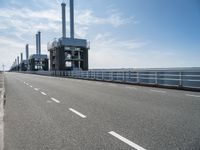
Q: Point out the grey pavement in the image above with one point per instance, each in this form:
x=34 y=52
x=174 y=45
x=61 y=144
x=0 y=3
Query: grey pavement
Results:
x=58 y=113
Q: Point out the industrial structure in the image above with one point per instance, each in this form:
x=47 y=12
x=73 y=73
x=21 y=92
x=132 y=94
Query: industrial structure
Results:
x=35 y=62
x=68 y=53
x=38 y=61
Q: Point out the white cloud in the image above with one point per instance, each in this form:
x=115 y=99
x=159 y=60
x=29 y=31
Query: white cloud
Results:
x=115 y=19
x=18 y=27
x=109 y=52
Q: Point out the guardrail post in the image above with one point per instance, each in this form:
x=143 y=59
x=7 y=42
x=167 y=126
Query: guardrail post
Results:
x=180 y=79
x=156 y=78
x=138 y=78
x=123 y=76
x=112 y=76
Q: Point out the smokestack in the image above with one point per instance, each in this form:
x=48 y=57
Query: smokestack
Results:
x=36 y=43
x=21 y=57
x=27 y=52
x=17 y=60
x=63 y=5
x=72 y=19
x=39 y=42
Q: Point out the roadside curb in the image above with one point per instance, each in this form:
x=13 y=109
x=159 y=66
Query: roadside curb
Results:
x=2 y=115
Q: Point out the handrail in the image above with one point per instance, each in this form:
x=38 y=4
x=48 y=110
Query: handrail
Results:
x=179 y=79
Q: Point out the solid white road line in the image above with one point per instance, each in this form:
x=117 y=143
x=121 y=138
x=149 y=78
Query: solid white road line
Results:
x=158 y=91
x=43 y=93
x=130 y=143
x=35 y=89
x=193 y=95
x=55 y=100
x=78 y=113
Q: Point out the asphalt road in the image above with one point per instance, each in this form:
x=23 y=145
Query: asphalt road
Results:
x=67 y=114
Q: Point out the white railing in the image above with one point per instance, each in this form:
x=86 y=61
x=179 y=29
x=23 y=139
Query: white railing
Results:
x=179 y=79
x=188 y=79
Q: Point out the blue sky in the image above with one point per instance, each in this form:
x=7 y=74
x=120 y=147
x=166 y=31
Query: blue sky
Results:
x=123 y=34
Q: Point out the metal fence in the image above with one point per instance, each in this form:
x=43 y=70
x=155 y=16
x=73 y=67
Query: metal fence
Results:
x=173 y=78
x=183 y=79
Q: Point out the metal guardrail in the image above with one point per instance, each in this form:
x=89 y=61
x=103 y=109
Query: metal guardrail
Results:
x=165 y=78
x=174 y=78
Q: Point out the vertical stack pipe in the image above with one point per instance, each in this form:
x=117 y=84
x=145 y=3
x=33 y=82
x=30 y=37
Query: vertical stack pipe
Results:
x=27 y=52
x=63 y=5
x=21 y=57
x=17 y=60
x=39 y=42
x=71 y=19
x=36 y=43
x=17 y=63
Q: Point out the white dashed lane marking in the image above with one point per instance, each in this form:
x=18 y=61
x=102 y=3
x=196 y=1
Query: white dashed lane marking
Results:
x=43 y=93
x=55 y=100
x=78 y=113
x=123 y=139
x=35 y=89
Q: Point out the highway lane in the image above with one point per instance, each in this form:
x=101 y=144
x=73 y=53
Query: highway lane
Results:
x=148 y=117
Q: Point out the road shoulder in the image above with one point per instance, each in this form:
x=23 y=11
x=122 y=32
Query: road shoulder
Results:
x=1 y=111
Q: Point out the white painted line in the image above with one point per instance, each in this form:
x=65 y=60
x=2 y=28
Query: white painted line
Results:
x=130 y=143
x=35 y=89
x=31 y=86
x=24 y=82
x=193 y=95
x=27 y=84
x=78 y=113
x=158 y=91
x=55 y=100
x=43 y=93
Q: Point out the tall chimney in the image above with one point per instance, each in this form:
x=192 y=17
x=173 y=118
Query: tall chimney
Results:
x=21 y=57
x=17 y=60
x=63 y=5
x=71 y=19
x=27 y=52
x=39 y=42
x=36 y=43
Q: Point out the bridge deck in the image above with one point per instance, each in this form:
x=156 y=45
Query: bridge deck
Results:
x=57 y=113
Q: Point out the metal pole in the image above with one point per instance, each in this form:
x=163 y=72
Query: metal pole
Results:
x=63 y=5
x=27 y=51
x=72 y=19
x=21 y=57
x=36 y=43
x=39 y=42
